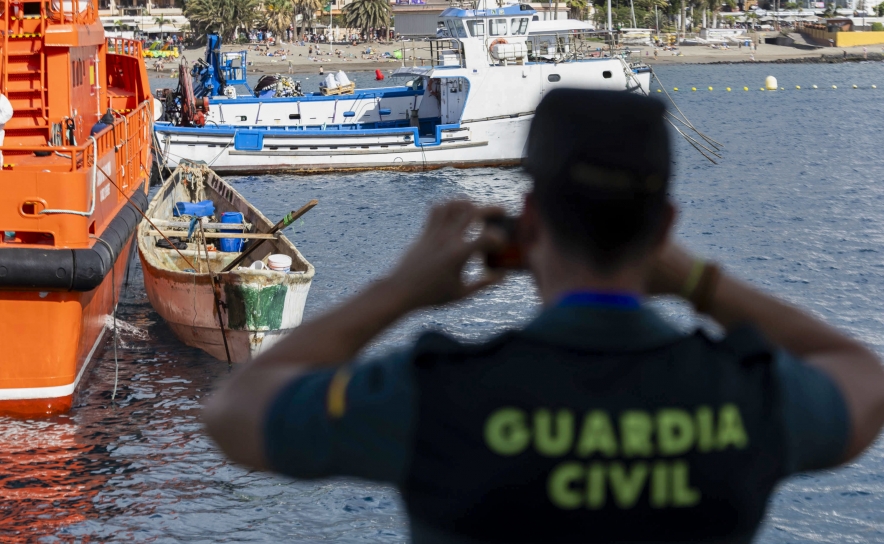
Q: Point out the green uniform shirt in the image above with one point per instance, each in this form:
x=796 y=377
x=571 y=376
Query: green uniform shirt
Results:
x=360 y=420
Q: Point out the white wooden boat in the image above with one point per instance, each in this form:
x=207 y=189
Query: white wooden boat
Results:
x=258 y=306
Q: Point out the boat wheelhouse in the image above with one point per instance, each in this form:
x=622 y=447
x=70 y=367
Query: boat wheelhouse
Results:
x=76 y=165
x=469 y=104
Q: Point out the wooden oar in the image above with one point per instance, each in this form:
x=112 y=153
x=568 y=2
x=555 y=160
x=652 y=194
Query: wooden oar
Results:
x=286 y=221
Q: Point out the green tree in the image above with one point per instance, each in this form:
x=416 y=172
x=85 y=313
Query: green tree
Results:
x=161 y=20
x=307 y=10
x=713 y=6
x=577 y=8
x=278 y=16
x=222 y=17
x=367 y=15
x=651 y=17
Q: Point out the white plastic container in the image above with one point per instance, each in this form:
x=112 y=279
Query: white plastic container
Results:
x=342 y=78
x=279 y=262
x=330 y=82
x=258 y=265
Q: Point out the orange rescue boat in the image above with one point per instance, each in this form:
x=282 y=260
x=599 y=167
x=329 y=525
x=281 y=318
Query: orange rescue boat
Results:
x=76 y=161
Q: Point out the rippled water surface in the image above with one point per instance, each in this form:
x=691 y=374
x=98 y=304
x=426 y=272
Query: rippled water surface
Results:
x=795 y=206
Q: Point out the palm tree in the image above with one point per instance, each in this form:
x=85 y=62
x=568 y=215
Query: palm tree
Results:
x=577 y=8
x=368 y=14
x=161 y=20
x=223 y=17
x=306 y=9
x=651 y=20
x=278 y=15
x=683 y=19
x=118 y=24
x=751 y=17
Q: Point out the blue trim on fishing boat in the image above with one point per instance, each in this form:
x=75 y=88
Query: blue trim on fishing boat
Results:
x=359 y=94
x=245 y=139
x=350 y=129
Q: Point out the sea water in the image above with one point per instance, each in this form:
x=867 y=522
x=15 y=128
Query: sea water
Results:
x=795 y=207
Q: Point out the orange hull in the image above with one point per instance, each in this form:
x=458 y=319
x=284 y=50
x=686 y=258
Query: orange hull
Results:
x=58 y=335
x=76 y=165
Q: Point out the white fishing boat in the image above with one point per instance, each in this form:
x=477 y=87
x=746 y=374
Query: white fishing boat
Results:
x=470 y=105
x=187 y=280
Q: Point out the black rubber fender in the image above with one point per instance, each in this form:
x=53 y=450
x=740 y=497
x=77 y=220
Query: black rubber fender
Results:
x=71 y=269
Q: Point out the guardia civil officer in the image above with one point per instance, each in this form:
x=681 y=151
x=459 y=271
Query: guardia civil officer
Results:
x=597 y=422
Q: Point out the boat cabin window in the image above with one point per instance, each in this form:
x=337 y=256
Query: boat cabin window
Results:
x=497 y=27
x=477 y=28
x=455 y=26
x=519 y=27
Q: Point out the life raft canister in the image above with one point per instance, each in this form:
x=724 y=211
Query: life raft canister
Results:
x=378 y=75
x=498 y=41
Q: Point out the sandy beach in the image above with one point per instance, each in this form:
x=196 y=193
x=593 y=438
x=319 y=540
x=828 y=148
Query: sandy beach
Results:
x=354 y=58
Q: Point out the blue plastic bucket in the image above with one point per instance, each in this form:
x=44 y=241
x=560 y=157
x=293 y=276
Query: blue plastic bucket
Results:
x=231 y=244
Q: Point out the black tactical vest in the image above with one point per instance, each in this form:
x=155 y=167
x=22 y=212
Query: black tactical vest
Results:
x=520 y=440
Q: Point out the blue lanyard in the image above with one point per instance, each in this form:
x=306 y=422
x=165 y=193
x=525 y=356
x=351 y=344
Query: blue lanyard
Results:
x=621 y=301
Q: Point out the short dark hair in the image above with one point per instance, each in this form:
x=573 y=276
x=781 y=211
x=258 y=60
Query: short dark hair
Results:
x=601 y=165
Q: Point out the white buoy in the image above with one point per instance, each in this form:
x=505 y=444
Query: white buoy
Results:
x=770 y=83
x=814 y=87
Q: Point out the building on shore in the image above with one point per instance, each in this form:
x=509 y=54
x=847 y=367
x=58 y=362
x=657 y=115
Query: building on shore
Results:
x=141 y=21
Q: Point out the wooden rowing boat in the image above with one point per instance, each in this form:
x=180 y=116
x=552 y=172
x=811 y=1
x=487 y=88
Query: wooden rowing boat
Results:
x=258 y=306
